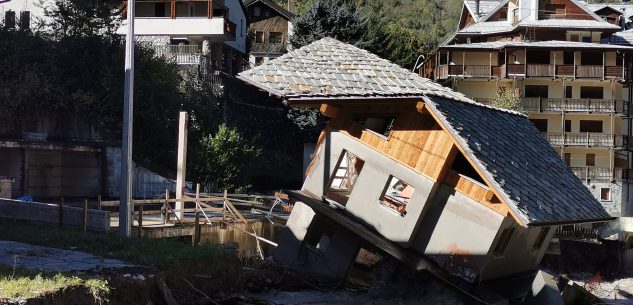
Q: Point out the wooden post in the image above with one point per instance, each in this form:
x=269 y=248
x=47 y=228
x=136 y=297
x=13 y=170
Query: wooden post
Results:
x=181 y=163
x=224 y=205
x=85 y=213
x=173 y=9
x=166 y=208
x=61 y=212
x=99 y=202
x=196 y=229
x=139 y=230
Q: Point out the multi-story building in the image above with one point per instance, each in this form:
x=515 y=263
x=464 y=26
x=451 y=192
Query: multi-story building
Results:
x=268 y=30
x=549 y=54
x=194 y=31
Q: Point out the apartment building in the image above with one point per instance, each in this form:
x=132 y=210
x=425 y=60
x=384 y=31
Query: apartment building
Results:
x=268 y=30
x=193 y=32
x=555 y=57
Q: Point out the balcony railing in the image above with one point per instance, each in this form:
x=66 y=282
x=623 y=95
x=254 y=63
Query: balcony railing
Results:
x=179 y=54
x=581 y=105
x=598 y=173
x=586 y=139
x=589 y=71
x=533 y=70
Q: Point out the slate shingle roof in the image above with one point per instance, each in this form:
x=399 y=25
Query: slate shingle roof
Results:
x=620 y=38
x=523 y=167
x=521 y=164
x=500 y=45
x=330 y=68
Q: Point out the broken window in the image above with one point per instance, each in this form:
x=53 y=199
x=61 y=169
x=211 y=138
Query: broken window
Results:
x=345 y=175
x=396 y=195
x=503 y=242
x=541 y=238
x=379 y=125
x=605 y=194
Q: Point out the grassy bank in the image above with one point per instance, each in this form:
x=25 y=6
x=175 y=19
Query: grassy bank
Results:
x=157 y=253
x=19 y=284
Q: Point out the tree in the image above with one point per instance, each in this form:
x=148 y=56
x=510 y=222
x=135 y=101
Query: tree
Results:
x=71 y=18
x=222 y=159
x=506 y=99
x=329 y=18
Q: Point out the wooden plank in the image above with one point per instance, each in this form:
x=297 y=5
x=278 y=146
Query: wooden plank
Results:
x=329 y=110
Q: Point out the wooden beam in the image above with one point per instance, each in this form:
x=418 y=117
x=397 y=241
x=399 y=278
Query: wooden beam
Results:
x=329 y=110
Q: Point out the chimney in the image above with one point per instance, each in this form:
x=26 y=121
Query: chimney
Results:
x=477 y=12
x=25 y=20
x=9 y=20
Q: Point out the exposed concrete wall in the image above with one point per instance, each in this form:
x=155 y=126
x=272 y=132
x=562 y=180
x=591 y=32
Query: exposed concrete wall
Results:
x=331 y=260
x=519 y=255
x=364 y=199
x=49 y=213
x=457 y=232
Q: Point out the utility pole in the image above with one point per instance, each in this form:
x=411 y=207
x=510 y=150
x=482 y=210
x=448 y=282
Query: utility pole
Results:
x=126 y=206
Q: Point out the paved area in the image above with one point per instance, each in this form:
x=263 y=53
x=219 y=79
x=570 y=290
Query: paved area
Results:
x=52 y=259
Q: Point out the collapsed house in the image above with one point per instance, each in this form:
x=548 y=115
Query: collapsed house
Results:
x=468 y=192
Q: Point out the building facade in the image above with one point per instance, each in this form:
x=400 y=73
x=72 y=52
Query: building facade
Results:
x=194 y=32
x=268 y=30
x=551 y=55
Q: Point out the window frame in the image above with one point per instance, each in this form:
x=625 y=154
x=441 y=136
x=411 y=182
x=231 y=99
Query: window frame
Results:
x=263 y=36
x=278 y=35
x=609 y=194
x=392 y=199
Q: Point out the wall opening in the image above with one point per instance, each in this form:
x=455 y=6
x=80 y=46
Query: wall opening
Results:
x=541 y=238
x=381 y=126
x=502 y=243
x=344 y=178
x=463 y=167
x=397 y=195
x=319 y=234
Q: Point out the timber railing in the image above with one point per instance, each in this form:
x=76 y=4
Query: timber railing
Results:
x=529 y=70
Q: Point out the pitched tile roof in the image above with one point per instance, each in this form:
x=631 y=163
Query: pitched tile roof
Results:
x=488 y=27
x=485 y=7
x=520 y=164
x=620 y=38
x=330 y=68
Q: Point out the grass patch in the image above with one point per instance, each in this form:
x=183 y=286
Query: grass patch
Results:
x=158 y=253
x=17 y=284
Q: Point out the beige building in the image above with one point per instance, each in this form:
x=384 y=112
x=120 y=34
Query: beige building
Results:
x=553 y=56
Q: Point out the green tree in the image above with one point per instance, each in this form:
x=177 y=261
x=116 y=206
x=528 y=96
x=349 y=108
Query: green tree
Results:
x=329 y=18
x=506 y=99
x=223 y=157
x=70 y=18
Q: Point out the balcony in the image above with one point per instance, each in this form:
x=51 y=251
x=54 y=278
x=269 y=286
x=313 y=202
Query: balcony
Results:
x=533 y=70
x=179 y=54
x=598 y=173
x=586 y=139
x=581 y=105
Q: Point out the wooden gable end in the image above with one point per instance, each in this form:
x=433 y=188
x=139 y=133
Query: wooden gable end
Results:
x=562 y=9
x=417 y=140
x=466 y=18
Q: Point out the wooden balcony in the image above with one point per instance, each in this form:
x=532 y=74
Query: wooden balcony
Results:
x=540 y=70
x=598 y=173
x=589 y=71
x=586 y=139
x=582 y=105
x=467 y=71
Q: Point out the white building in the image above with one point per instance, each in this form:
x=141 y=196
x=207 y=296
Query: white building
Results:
x=189 y=32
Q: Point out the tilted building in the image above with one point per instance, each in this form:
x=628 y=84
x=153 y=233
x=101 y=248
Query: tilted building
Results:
x=417 y=171
x=554 y=56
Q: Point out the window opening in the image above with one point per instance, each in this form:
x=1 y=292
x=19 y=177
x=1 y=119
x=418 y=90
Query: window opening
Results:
x=344 y=178
x=463 y=167
x=274 y=37
x=397 y=195
x=259 y=37
x=380 y=125
x=541 y=238
x=590 y=126
x=567 y=125
x=503 y=242
x=568 y=159
x=540 y=124
x=605 y=194
x=590 y=160
x=319 y=235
